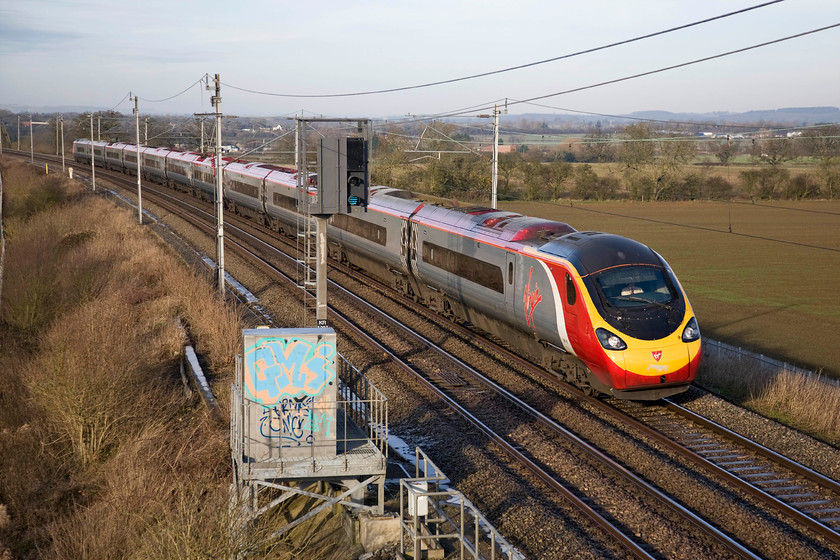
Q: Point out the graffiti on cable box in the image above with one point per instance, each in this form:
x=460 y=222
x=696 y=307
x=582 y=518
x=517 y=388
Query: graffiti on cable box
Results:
x=278 y=368
x=295 y=422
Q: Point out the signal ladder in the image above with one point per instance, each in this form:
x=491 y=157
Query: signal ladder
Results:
x=307 y=242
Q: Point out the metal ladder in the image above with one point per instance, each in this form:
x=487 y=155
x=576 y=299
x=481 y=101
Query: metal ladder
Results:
x=307 y=242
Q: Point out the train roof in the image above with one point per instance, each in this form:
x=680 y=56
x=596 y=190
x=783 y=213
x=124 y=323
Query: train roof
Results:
x=505 y=226
x=186 y=156
x=592 y=251
x=475 y=220
x=248 y=169
x=396 y=201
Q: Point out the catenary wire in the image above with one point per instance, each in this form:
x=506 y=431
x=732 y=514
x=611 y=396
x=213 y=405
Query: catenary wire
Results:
x=650 y=72
x=185 y=90
x=512 y=68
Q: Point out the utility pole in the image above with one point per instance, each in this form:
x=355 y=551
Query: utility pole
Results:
x=99 y=128
x=92 y=154
x=495 y=173
x=61 y=120
x=495 y=181
x=137 y=140
x=31 y=136
x=18 y=136
x=145 y=132
x=220 y=203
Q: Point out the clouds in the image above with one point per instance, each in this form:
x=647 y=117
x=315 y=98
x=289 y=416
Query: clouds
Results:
x=98 y=51
x=17 y=37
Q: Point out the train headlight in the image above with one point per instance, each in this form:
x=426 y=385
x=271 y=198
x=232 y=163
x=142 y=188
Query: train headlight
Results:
x=691 y=332
x=609 y=340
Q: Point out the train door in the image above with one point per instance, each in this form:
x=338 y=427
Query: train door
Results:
x=405 y=245
x=414 y=249
x=511 y=287
x=571 y=303
x=262 y=195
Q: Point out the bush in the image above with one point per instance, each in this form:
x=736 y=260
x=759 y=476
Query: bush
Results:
x=802 y=186
x=717 y=188
x=767 y=182
x=588 y=185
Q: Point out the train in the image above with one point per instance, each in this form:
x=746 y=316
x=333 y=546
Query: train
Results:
x=601 y=311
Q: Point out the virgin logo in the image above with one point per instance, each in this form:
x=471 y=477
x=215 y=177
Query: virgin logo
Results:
x=656 y=355
x=531 y=300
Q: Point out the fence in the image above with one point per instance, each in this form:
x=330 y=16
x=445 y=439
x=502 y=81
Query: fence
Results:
x=427 y=511
x=764 y=364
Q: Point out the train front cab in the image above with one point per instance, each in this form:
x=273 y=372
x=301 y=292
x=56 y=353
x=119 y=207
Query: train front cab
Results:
x=634 y=328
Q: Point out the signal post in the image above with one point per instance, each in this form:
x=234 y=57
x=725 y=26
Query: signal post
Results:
x=342 y=188
x=290 y=430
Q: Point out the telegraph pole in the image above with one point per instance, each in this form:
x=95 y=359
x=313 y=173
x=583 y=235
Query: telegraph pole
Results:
x=220 y=205
x=92 y=154
x=495 y=182
x=495 y=172
x=137 y=140
x=61 y=120
x=31 y=143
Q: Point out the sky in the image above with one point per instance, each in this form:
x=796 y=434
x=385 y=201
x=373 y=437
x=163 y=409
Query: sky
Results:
x=93 y=53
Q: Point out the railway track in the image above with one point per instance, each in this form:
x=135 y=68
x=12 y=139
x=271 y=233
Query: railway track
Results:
x=498 y=411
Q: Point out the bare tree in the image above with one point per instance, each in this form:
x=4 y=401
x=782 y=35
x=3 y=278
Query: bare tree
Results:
x=772 y=151
x=598 y=146
x=654 y=165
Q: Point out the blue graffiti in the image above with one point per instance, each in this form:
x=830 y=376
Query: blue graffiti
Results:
x=293 y=367
x=294 y=422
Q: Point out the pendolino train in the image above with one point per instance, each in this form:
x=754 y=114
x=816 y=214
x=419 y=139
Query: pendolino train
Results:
x=604 y=312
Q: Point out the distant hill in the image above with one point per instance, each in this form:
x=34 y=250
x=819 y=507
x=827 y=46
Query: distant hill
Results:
x=799 y=116
x=789 y=116
x=795 y=116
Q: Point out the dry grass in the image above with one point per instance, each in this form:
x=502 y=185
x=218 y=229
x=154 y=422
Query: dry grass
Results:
x=809 y=403
x=101 y=454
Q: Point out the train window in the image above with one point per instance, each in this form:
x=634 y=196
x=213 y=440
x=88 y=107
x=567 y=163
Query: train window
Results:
x=369 y=231
x=634 y=286
x=284 y=201
x=510 y=273
x=571 y=293
x=465 y=266
x=243 y=188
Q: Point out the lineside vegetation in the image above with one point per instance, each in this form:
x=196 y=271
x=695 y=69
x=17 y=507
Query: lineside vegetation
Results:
x=101 y=453
x=637 y=162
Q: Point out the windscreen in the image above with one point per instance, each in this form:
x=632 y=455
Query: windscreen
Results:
x=634 y=286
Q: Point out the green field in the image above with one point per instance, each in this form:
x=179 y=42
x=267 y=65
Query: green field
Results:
x=772 y=285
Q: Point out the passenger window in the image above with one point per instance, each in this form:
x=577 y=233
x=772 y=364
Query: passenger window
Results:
x=571 y=294
x=510 y=273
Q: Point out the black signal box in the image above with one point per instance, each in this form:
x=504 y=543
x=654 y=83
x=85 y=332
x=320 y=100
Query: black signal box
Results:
x=343 y=176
